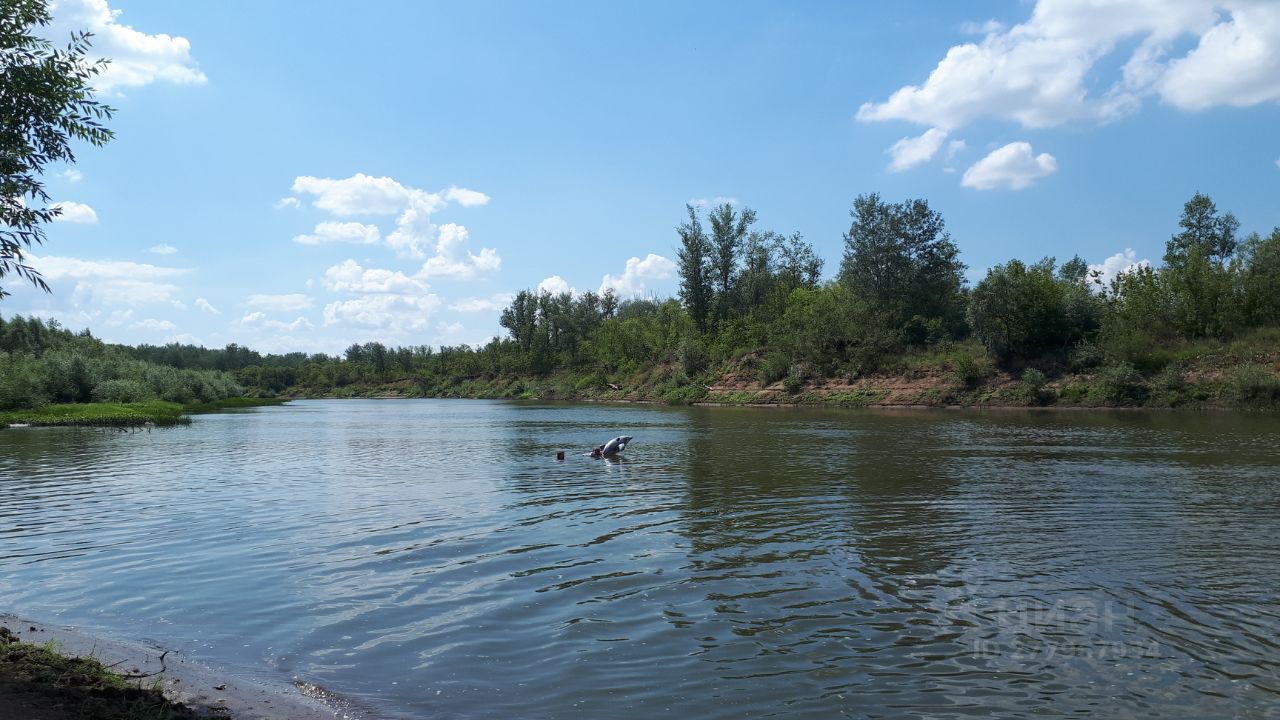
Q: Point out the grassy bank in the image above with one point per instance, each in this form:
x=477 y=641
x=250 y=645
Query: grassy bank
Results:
x=38 y=682
x=151 y=412
x=1243 y=374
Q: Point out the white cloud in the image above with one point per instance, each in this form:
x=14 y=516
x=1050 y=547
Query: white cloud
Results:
x=72 y=175
x=207 y=307
x=288 y=202
x=491 y=304
x=349 y=277
x=1012 y=166
x=453 y=329
x=155 y=325
x=955 y=147
x=911 y=151
x=110 y=282
x=1121 y=262
x=1278 y=162
x=74 y=212
x=454 y=259
x=390 y=313
x=340 y=232
x=359 y=194
x=1237 y=62
x=638 y=274
x=415 y=235
x=260 y=321
x=137 y=58
x=279 y=303
x=465 y=197
x=162 y=249
x=556 y=285
x=713 y=201
x=1038 y=73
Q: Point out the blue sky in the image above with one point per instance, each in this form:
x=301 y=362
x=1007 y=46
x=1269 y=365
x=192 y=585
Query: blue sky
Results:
x=301 y=176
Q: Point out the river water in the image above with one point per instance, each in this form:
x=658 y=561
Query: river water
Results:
x=432 y=558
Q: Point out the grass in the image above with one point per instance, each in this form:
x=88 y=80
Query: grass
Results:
x=37 y=679
x=154 y=412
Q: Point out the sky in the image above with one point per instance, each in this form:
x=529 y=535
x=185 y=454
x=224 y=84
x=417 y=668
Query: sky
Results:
x=297 y=176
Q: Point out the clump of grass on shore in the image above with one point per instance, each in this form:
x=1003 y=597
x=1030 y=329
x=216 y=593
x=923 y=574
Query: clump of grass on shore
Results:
x=156 y=412
x=36 y=679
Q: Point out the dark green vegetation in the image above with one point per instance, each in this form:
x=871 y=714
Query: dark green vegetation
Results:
x=37 y=682
x=897 y=326
x=47 y=100
x=52 y=376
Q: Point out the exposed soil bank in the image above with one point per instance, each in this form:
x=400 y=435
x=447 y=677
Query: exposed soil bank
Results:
x=80 y=690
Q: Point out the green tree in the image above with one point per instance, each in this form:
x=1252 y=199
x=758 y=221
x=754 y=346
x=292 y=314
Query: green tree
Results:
x=47 y=103
x=1259 y=262
x=899 y=259
x=1024 y=311
x=729 y=230
x=1197 y=273
x=694 y=256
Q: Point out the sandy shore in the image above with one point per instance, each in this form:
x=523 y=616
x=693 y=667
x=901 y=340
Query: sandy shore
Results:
x=201 y=687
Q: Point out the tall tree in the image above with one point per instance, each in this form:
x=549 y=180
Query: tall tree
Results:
x=729 y=230
x=1197 y=272
x=899 y=259
x=694 y=257
x=46 y=101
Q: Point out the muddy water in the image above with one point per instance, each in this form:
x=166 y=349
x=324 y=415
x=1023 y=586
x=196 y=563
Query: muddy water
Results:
x=433 y=559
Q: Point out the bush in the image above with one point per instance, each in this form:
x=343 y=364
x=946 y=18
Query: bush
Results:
x=120 y=391
x=1032 y=387
x=693 y=355
x=1085 y=356
x=968 y=370
x=1255 y=385
x=1121 y=384
x=775 y=367
x=792 y=384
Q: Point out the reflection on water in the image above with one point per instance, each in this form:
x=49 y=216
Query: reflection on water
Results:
x=434 y=558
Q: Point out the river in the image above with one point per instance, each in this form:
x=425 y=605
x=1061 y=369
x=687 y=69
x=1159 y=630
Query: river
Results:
x=432 y=558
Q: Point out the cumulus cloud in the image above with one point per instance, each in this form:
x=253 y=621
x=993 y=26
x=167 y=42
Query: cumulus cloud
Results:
x=72 y=175
x=137 y=58
x=74 y=212
x=1039 y=73
x=110 y=282
x=1013 y=166
x=392 y=314
x=982 y=28
x=288 y=202
x=349 y=277
x=490 y=304
x=259 y=320
x=911 y=151
x=279 y=303
x=465 y=197
x=638 y=274
x=556 y=285
x=162 y=249
x=340 y=232
x=416 y=235
x=207 y=307
x=1121 y=262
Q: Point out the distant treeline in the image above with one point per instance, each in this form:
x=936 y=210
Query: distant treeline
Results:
x=753 y=298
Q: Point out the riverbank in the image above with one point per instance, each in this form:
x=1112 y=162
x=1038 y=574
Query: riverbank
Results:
x=56 y=673
x=153 y=412
x=1244 y=381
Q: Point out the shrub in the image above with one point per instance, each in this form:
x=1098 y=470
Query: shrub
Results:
x=120 y=391
x=774 y=368
x=692 y=354
x=1255 y=385
x=1121 y=383
x=1032 y=387
x=792 y=384
x=968 y=370
x=1085 y=356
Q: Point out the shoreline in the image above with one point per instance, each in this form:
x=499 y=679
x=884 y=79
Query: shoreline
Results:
x=207 y=690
